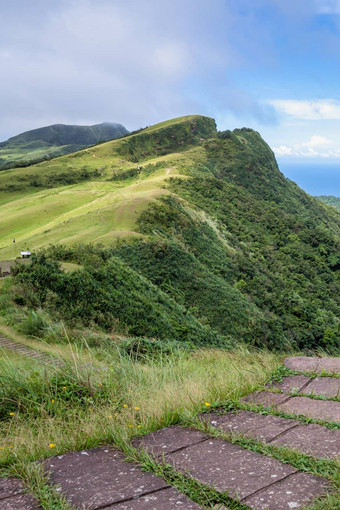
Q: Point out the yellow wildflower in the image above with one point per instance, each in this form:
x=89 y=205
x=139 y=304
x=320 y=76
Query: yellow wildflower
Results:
x=137 y=408
x=124 y=405
x=207 y=404
x=11 y=414
x=51 y=445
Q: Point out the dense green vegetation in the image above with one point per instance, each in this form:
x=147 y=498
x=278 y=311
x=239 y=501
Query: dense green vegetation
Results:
x=224 y=247
x=330 y=200
x=52 y=141
x=112 y=296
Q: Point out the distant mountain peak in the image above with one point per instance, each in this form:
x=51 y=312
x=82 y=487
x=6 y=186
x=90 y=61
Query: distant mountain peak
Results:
x=55 y=140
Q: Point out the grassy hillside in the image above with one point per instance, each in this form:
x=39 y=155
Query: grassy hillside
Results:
x=197 y=237
x=330 y=200
x=56 y=140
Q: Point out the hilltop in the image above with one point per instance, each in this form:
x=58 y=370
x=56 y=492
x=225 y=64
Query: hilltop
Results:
x=196 y=237
x=56 y=140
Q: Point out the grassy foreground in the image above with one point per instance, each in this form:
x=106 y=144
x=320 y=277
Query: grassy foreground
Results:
x=105 y=394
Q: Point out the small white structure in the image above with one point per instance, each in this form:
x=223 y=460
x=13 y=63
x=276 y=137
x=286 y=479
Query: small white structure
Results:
x=25 y=254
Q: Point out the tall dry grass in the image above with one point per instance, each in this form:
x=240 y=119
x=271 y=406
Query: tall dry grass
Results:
x=100 y=395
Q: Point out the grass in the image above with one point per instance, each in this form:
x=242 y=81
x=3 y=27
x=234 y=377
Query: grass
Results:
x=229 y=406
x=94 y=210
x=105 y=395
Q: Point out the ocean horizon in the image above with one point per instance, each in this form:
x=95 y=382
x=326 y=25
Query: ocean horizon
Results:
x=314 y=178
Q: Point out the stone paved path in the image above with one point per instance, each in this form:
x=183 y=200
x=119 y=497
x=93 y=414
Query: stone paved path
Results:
x=325 y=387
x=100 y=478
x=13 y=496
x=22 y=349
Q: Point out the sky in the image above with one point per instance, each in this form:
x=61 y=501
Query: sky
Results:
x=272 y=65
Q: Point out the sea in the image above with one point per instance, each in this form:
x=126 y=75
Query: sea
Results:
x=315 y=178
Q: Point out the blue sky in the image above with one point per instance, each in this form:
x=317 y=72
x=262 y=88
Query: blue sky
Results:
x=272 y=65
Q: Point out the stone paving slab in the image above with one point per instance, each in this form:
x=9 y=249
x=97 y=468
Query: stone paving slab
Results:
x=264 y=428
x=309 y=364
x=313 y=440
x=246 y=475
x=327 y=386
x=291 y=383
x=293 y=492
x=228 y=467
x=166 y=499
x=302 y=363
x=266 y=398
x=169 y=439
x=20 y=502
x=320 y=409
x=100 y=477
x=12 y=496
x=10 y=487
x=331 y=365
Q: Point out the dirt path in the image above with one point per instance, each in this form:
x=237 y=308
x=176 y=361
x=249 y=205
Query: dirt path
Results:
x=104 y=480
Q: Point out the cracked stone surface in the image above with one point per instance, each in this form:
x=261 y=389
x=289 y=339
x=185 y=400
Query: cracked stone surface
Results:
x=302 y=363
x=266 y=398
x=327 y=386
x=12 y=496
x=308 y=364
x=313 y=440
x=168 y=440
x=264 y=428
x=229 y=467
x=10 y=487
x=291 y=383
x=293 y=492
x=20 y=502
x=320 y=409
x=167 y=499
x=331 y=365
x=100 y=477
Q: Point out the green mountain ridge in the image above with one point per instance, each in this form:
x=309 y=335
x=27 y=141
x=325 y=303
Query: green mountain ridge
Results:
x=55 y=140
x=183 y=233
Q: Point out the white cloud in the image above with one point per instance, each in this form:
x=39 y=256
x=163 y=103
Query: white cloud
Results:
x=317 y=141
x=313 y=148
x=322 y=109
x=283 y=150
x=328 y=6
x=88 y=61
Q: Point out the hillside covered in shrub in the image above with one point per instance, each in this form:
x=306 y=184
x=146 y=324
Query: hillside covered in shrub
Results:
x=196 y=237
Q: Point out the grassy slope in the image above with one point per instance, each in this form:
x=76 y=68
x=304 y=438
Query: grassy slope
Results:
x=93 y=210
x=51 y=141
x=243 y=249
